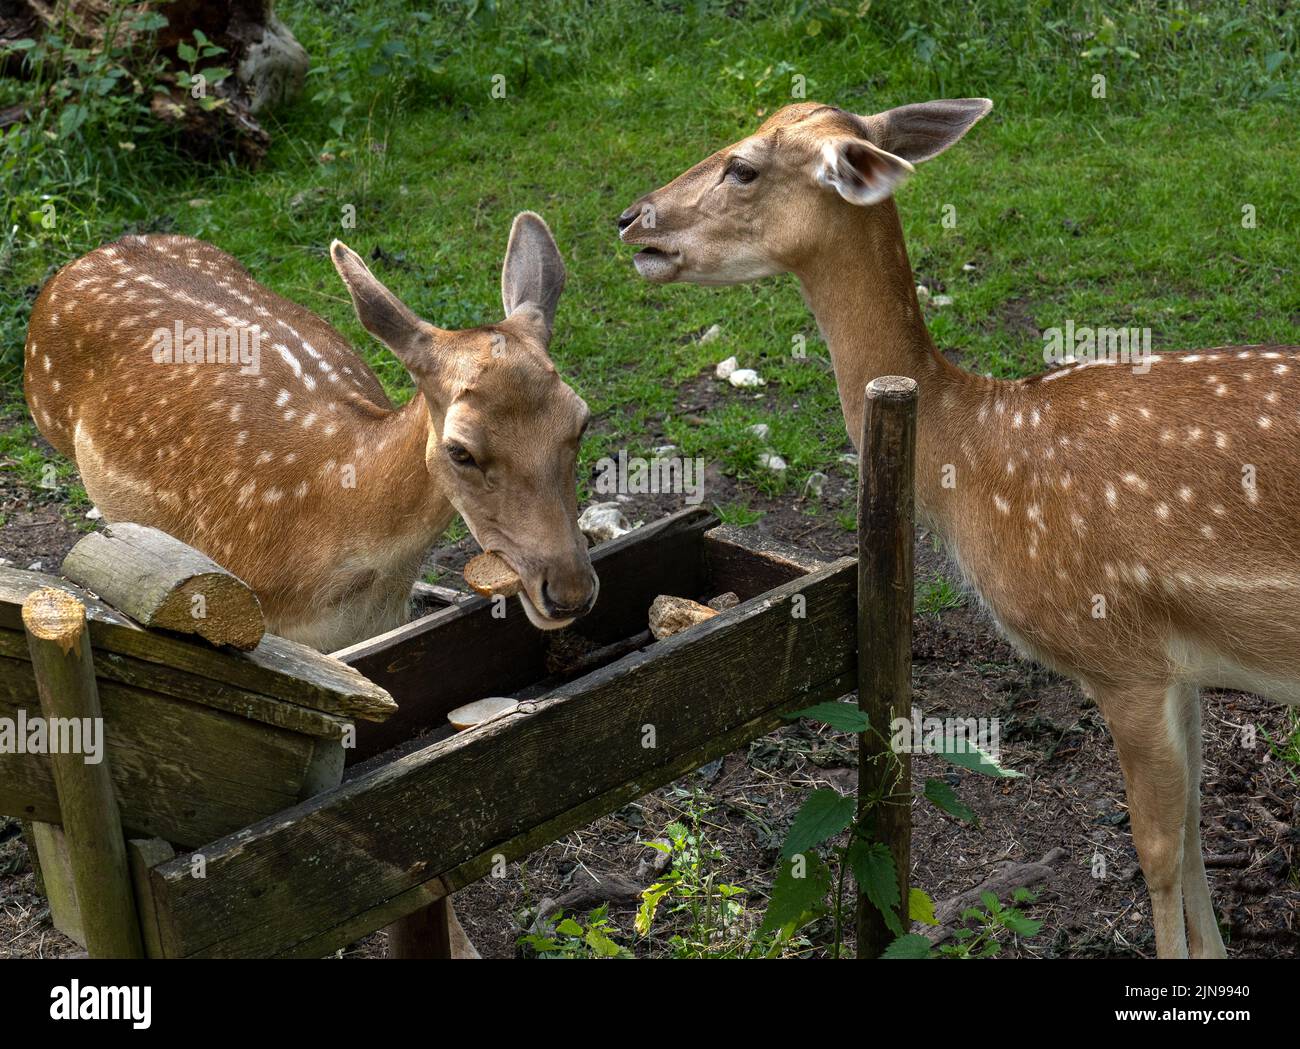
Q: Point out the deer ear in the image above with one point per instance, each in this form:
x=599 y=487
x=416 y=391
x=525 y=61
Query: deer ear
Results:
x=533 y=272
x=860 y=172
x=925 y=129
x=381 y=312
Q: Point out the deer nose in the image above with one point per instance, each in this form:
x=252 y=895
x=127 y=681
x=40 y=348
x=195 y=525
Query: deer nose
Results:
x=568 y=608
x=629 y=216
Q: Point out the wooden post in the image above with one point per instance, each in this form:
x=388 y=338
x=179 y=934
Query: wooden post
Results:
x=433 y=931
x=885 y=537
x=65 y=679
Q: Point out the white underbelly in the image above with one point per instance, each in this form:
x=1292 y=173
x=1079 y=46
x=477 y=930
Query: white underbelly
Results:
x=1211 y=669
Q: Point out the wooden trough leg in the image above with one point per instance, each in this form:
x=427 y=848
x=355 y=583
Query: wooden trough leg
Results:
x=431 y=932
x=885 y=538
x=65 y=679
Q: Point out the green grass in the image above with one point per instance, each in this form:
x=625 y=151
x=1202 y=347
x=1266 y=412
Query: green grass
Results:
x=937 y=595
x=54 y=479
x=1124 y=210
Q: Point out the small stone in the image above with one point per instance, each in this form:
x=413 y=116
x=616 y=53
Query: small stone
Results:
x=723 y=602
x=773 y=462
x=601 y=522
x=656 y=862
x=93 y=514
x=671 y=615
x=725 y=368
x=712 y=335
x=922 y=294
x=968 y=267
x=814 y=485
x=849 y=459
x=35 y=566
x=760 y=430
x=665 y=449
x=941 y=300
x=742 y=378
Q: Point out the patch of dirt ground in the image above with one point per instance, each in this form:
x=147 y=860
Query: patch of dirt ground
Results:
x=1069 y=805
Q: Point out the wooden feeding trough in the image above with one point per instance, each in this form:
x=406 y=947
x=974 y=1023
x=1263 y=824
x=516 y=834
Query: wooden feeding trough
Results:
x=281 y=805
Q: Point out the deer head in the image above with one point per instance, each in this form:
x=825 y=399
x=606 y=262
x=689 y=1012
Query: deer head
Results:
x=764 y=205
x=503 y=427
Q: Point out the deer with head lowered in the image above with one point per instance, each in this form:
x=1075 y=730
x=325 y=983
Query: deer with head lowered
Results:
x=282 y=459
x=288 y=465
x=1134 y=528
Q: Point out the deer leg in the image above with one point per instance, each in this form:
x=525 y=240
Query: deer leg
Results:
x=1203 y=937
x=1148 y=724
x=431 y=932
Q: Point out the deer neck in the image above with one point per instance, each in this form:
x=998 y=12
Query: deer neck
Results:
x=860 y=288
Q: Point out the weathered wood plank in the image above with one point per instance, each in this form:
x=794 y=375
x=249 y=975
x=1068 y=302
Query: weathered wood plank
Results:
x=182 y=772
x=60 y=889
x=156 y=677
x=355 y=926
x=279 y=668
x=142 y=854
x=463 y=653
x=161 y=582
x=747 y=563
x=344 y=853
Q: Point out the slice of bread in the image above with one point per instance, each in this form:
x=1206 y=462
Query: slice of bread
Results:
x=490 y=575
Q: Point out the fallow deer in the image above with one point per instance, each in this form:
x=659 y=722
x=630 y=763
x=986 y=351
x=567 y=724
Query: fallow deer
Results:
x=1133 y=528
x=197 y=401
x=289 y=466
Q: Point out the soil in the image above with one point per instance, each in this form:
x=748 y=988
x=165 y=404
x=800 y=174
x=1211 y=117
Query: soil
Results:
x=1069 y=805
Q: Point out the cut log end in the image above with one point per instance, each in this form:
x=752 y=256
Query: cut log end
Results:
x=54 y=615
x=671 y=615
x=490 y=574
x=217 y=607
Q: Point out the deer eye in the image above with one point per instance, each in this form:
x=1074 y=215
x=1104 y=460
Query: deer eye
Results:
x=741 y=172
x=460 y=455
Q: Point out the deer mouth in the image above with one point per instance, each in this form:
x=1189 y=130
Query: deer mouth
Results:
x=655 y=264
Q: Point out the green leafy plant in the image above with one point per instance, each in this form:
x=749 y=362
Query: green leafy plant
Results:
x=691 y=887
x=571 y=939
x=805 y=877
x=195 y=80
x=992 y=924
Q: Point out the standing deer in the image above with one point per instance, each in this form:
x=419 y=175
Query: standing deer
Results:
x=196 y=401
x=1137 y=532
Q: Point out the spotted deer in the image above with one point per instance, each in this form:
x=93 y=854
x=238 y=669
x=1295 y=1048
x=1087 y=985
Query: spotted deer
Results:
x=265 y=442
x=271 y=447
x=1135 y=528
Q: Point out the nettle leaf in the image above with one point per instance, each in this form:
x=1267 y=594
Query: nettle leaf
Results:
x=186 y=52
x=967 y=755
x=845 y=717
x=602 y=945
x=569 y=927
x=873 y=869
x=920 y=907
x=942 y=796
x=794 y=899
x=1020 y=925
x=912 y=945
x=824 y=814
